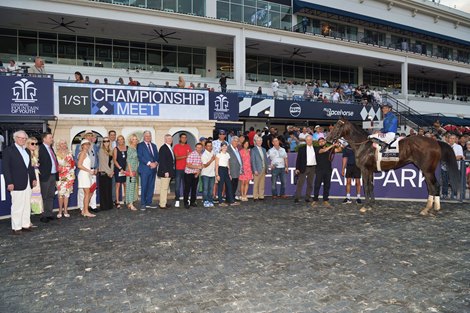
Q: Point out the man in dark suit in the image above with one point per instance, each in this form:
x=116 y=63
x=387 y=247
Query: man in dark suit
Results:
x=147 y=154
x=235 y=162
x=259 y=166
x=48 y=175
x=19 y=178
x=166 y=169
x=305 y=168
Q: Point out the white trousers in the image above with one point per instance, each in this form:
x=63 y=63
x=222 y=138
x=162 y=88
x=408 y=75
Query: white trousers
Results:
x=80 y=196
x=21 y=208
x=387 y=137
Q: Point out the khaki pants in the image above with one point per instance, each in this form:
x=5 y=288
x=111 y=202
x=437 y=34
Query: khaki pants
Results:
x=21 y=208
x=258 y=188
x=164 y=187
x=309 y=175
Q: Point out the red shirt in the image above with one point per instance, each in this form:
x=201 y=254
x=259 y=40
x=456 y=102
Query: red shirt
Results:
x=181 y=150
x=251 y=136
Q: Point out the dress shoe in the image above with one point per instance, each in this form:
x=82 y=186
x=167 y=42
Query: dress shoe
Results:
x=16 y=232
x=163 y=207
x=168 y=206
x=51 y=218
x=95 y=210
x=27 y=229
x=44 y=219
x=186 y=206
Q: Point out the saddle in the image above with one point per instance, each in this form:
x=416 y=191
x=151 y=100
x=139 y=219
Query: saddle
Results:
x=386 y=151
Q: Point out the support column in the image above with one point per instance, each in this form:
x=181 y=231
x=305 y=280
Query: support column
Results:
x=454 y=87
x=211 y=9
x=211 y=62
x=404 y=80
x=360 y=75
x=239 y=59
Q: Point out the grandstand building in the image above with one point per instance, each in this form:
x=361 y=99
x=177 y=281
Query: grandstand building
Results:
x=417 y=51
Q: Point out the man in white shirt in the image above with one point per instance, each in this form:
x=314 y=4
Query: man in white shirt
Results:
x=305 y=166
x=275 y=88
x=303 y=135
x=208 y=174
x=453 y=141
x=289 y=90
x=279 y=168
x=2 y=140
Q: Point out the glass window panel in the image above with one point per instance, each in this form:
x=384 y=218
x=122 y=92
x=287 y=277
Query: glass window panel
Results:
x=6 y=31
x=287 y=71
x=249 y=15
x=154 y=59
x=170 y=48
x=123 y=43
x=85 y=54
x=199 y=64
x=184 y=49
x=223 y=10
x=103 y=41
x=199 y=51
x=27 y=33
x=276 y=70
x=199 y=7
x=138 y=3
x=184 y=63
x=286 y=21
x=169 y=5
x=85 y=39
x=137 y=44
x=67 y=53
x=154 y=46
x=103 y=56
x=67 y=37
x=48 y=50
x=275 y=19
x=137 y=58
x=236 y=13
x=27 y=49
x=48 y=35
x=184 y=6
x=154 y=4
x=8 y=48
x=299 y=70
x=169 y=60
x=120 y=57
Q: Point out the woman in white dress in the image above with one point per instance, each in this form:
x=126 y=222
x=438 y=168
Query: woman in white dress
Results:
x=85 y=175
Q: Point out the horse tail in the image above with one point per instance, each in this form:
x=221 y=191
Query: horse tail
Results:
x=448 y=157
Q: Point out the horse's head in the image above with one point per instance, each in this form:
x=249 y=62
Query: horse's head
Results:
x=338 y=130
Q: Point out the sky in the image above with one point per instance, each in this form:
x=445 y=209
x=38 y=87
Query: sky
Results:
x=462 y=5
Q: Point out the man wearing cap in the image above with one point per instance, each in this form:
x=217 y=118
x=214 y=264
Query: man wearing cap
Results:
x=90 y=136
x=390 y=125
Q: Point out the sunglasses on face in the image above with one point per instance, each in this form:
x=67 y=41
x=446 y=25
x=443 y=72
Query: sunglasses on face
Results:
x=34 y=143
x=106 y=141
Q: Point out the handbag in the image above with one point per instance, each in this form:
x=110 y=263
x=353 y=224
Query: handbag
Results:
x=93 y=187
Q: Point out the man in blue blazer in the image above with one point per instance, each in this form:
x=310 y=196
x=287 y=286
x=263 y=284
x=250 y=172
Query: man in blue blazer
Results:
x=20 y=179
x=259 y=166
x=147 y=154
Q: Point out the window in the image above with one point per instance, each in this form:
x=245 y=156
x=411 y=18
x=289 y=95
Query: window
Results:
x=27 y=49
x=8 y=48
x=67 y=53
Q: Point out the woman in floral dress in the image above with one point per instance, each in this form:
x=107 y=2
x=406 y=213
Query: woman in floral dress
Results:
x=66 y=177
x=131 y=172
x=247 y=173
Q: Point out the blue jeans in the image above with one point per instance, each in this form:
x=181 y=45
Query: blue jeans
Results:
x=275 y=173
x=225 y=179
x=207 y=187
x=179 y=181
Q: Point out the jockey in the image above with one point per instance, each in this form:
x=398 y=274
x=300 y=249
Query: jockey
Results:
x=388 y=132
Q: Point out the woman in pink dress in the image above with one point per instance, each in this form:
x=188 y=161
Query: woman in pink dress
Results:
x=247 y=174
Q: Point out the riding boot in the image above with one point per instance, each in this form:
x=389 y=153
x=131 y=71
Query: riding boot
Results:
x=383 y=146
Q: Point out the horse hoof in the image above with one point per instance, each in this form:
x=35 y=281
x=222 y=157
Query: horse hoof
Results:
x=363 y=210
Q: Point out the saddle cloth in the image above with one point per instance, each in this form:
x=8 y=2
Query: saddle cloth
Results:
x=392 y=153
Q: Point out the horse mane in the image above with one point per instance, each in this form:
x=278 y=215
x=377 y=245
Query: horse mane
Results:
x=357 y=131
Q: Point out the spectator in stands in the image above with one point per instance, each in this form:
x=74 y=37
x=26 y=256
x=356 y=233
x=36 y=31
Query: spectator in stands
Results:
x=335 y=96
x=120 y=81
x=316 y=91
x=305 y=23
x=325 y=84
x=308 y=95
x=106 y=81
x=12 y=67
x=260 y=91
x=275 y=89
x=38 y=67
x=318 y=133
x=223 y=83
x=2 y=68
x=463 y=141
x=420 y=132
x=303 y=135
x=79 y=77
x=292 y=141
x=97 y=81
x=133 y=82
x=167 y=84
x=289 y=90
x=251 y=136
x=165 y=69
x=181 y=83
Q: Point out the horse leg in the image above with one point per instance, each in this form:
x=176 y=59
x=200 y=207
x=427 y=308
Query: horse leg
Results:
x=431 y=182
x=437 y=198
x=368 y=191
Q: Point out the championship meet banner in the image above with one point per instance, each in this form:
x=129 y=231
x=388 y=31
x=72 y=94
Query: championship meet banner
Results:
x=404 y=183
x=26 y=96
x=223 y=106
x=117 y=100
x=259 y=107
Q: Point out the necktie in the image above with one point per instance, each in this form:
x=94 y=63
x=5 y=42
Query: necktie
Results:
x=150 y=149
x=53 y=158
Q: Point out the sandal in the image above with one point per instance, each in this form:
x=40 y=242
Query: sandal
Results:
x=88 y=215
x=59 y=215
x=132 y=207
x=117 y=204
x=66 y=215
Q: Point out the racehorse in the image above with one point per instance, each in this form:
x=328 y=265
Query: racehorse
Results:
x=422 y=151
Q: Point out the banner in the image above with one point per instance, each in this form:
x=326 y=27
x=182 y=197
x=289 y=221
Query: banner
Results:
x=26 y=96
x=325 y=111
x=223 y=106
x=115 y=100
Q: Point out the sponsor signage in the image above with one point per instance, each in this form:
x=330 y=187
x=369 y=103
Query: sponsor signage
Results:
x=223 y=106
x=403 y=183
x=112 y=100
x=324 y=111
x=26 y=96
